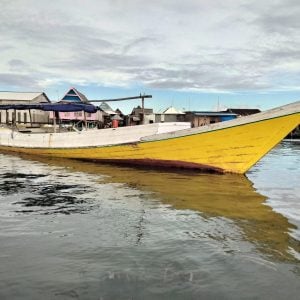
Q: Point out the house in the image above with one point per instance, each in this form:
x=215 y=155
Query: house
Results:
x=201 y=118
x=171 y=114
x=78 y=118
x=25 y=117
x=141 y=116
x=243 y=111
x=119 y=112
x=120 y=117
x=109 y=114
x=204 y=118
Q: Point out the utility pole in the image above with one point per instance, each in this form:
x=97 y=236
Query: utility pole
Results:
x=143 y=109
x=129 y=98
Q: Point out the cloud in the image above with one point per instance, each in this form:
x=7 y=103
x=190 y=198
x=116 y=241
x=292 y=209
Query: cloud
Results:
x=278 y=17
x=17 y=65
x=192 y=45
x=16 y=80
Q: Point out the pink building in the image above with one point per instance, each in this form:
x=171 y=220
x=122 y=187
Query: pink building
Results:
x=75 y=96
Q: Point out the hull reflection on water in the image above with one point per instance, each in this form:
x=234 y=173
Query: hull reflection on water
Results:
x=227 y=196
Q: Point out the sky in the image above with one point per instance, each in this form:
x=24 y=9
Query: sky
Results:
x=192 y=54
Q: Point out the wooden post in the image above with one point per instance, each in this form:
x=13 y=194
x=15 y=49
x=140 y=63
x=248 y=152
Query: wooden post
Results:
x=6 y=116
x=30 y=117
x=59 y=122
x=85 y=122
x=14 y=118
x=54 y=121
x=143 y=109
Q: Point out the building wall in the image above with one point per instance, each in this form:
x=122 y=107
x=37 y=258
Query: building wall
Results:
x=23 y=116
x=197 y=121
x=79 y=116
x=39 y=116
x=160 y=118
x=149 y=119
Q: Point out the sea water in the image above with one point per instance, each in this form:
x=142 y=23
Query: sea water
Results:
x=73 y=230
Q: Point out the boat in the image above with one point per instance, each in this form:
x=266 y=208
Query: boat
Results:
x=227 y=147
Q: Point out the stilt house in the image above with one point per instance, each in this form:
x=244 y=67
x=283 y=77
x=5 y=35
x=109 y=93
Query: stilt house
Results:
x=25 y=117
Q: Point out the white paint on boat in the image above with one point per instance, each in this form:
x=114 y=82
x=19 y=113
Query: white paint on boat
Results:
x=87 y=138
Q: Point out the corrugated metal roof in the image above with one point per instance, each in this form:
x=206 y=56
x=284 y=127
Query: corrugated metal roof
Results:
x=21 y=96
x=244 y=111
x=106 y=108
x=210 y=113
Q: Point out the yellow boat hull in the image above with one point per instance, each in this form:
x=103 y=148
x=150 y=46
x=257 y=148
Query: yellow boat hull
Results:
x=232 y=149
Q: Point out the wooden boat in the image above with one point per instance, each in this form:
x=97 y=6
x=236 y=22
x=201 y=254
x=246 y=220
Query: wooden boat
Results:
x=232 y=146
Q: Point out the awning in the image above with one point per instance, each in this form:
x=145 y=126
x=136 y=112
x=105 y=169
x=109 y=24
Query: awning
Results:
x=63 y=107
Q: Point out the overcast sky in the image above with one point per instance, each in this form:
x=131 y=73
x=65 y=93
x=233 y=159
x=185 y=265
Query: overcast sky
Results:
x=185 y=53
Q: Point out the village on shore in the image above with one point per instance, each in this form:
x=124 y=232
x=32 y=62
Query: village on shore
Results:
x=105 y=116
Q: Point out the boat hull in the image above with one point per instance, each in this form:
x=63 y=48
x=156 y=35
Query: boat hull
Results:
x=233 y=148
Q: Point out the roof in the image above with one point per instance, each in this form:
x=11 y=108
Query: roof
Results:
x=210 y=113
x=119 y=112
x=243 y=111
x=83 y=97
x=116 y=117
x=172 y=111
x=63 y=107
x=21 y=96
x=73 y=95
x=138 y=110
x=106 y=108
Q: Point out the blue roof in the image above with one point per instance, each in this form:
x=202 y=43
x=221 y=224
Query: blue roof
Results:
x=74 y=96
x=63 y=107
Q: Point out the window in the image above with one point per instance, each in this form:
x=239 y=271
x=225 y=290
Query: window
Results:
x=25 y=118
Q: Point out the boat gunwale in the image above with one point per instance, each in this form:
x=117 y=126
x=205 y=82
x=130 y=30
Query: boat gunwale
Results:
x=144 y=140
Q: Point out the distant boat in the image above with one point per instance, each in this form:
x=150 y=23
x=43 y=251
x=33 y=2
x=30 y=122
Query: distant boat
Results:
x=233 y=146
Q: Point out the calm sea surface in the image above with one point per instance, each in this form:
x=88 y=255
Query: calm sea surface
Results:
x=72 y=230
